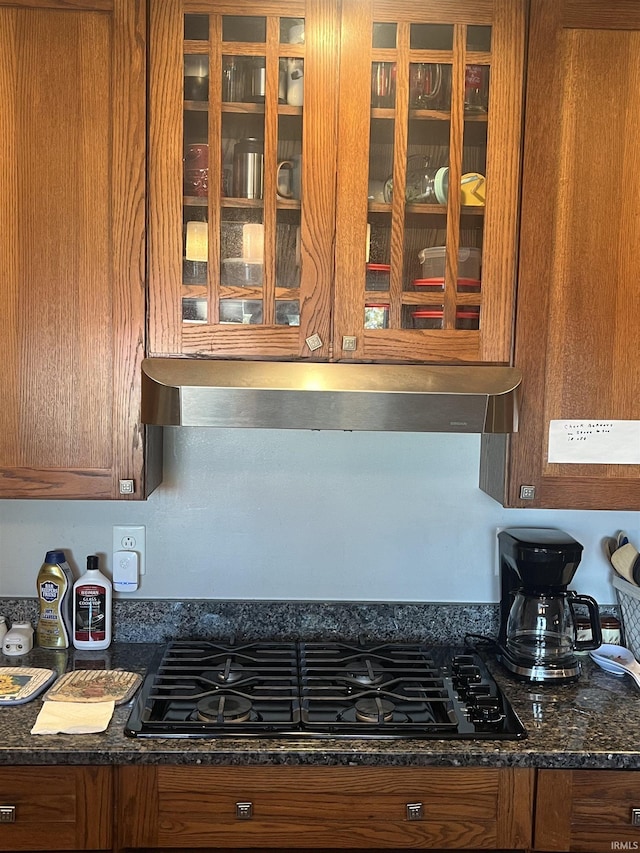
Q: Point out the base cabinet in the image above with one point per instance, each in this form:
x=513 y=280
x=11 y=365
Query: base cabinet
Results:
x=56 y=808
x=587 y=811
x=178 y=808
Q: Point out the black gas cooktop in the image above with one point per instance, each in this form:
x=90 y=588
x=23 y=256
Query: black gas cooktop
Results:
x=199 y=688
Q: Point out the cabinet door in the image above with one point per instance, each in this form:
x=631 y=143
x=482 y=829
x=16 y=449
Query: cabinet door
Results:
x=430 y=100
x=72 y=201
x=577 y=335
x=320 y=807
x=56 y=808
x=242 y=177
x=583 y=811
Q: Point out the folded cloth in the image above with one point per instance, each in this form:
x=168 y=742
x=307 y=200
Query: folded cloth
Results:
x=75 y=718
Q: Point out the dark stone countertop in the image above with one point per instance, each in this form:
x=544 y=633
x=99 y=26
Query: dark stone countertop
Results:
x=593 y=723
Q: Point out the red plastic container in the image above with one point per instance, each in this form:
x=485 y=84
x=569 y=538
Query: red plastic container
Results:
x=378 y=276
x=467 y=317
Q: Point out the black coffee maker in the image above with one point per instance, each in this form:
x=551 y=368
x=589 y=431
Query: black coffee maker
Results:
x=537 y=639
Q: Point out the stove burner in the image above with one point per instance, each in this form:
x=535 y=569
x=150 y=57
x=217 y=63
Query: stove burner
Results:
x=364 y=672
x=229 y=673
x=200 y=688
x=374 y=710
x=223 y=708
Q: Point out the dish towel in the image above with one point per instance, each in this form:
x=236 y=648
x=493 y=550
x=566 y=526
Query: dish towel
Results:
x=74 y=718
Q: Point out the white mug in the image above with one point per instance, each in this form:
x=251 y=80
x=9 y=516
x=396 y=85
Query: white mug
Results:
x=296 y=33
x=295 y=82
x=288 y=178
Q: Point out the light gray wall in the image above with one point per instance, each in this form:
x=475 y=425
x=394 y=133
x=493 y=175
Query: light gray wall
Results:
x=305 y=515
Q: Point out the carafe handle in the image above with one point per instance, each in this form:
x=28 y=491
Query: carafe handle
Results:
x=594 y=617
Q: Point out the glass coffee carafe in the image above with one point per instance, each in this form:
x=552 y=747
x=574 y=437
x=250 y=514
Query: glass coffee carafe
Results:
x=541 y=628
x=538 y=636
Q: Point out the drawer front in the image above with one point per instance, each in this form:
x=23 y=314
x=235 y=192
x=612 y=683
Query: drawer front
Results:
x=590 y=811
x=325 y=807
x=55 y=808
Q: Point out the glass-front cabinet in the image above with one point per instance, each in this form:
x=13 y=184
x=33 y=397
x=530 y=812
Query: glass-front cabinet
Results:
x=242 y=161
x=334 y=181
x=427 y=209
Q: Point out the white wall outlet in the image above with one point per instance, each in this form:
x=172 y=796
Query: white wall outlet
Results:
x=131 y=537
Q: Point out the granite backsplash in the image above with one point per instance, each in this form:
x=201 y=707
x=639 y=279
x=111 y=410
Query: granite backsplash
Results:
x=159 y=620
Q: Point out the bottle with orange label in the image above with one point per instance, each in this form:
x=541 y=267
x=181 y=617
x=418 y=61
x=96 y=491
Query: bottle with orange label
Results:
x=92 y=605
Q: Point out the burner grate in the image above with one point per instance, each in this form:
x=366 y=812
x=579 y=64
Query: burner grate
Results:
x=206 y=689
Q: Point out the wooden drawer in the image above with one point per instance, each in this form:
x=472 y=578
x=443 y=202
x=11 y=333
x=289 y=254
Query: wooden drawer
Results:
x=316 y=807
x=585 y=810
x=56 y=808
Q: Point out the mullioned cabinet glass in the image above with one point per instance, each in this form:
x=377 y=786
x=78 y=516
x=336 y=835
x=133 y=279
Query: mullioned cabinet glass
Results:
x=426 y=266
x=319 y=151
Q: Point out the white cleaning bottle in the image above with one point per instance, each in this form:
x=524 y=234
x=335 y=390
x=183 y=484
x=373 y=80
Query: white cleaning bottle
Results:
x=92 y=603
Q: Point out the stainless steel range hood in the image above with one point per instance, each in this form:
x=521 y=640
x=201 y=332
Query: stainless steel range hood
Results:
x=303 y=395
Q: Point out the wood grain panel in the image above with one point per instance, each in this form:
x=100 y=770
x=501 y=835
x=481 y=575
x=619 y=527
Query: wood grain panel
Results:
x=577 y=337
x=72 y=184
x=322 y=807
x=586 y=811
x=57 y=808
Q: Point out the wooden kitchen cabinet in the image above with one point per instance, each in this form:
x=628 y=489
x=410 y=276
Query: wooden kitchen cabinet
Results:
x=584 y=810
x=72 y=219
x=577 y=331
x=178 y=808
x=460 y=126
x=338 y=275
x=200 y=302
x=56 y=808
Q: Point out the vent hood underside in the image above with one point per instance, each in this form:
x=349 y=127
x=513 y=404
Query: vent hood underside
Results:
x=342 y=396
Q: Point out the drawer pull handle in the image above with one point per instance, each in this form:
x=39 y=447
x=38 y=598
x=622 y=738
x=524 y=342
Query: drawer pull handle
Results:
x=244 y=811
x=7 y=814
x=415 y=811
x=635 y=817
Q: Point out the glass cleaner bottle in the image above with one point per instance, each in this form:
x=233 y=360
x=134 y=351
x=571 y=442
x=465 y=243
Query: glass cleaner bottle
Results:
x=92 y=601
x=54 y=587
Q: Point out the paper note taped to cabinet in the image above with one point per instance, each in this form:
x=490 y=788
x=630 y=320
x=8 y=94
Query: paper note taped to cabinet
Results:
x=595 y=442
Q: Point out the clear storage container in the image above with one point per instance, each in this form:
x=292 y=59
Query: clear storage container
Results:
x=433 y=262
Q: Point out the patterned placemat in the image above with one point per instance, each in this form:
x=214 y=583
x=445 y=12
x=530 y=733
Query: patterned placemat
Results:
x=22 y=683
x=90 y=685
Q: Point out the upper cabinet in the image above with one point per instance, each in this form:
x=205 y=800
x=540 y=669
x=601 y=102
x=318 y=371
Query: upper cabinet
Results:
x=72 y=218
x=577 y=330
x=428 y=180
x=242 y=153
x=302 y=165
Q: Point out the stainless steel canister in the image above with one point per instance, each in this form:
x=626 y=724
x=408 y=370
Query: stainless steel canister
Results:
x=248 y=168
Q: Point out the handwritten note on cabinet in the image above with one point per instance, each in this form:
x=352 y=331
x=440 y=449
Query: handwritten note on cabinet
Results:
x=598 y=442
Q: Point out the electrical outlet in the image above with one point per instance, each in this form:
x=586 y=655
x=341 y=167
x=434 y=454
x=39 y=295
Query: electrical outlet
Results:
x=131 y=537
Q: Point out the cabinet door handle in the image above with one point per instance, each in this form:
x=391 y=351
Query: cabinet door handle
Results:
x=635 y=817
x=415 y=811
x=7 y=814
x=244 y=811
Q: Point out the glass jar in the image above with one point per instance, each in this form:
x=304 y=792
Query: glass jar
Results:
x=611 y=629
